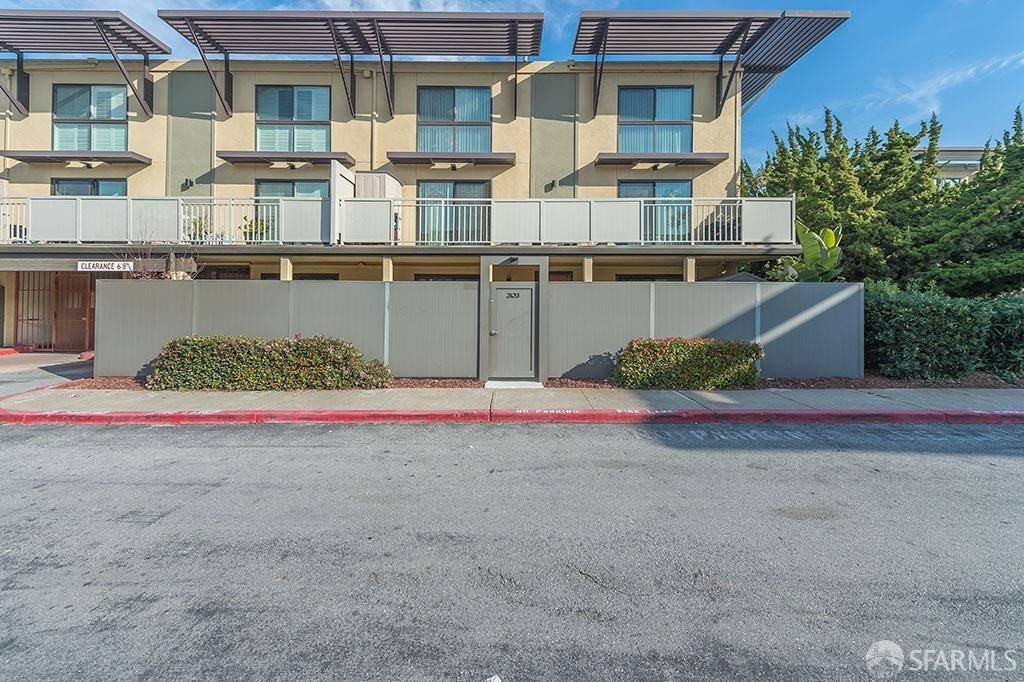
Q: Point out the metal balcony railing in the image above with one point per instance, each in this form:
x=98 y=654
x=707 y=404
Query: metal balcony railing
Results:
x=466 y=222
x=411 y=222
x=230 y=221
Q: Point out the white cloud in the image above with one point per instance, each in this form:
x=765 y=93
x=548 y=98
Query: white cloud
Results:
x=923 y=95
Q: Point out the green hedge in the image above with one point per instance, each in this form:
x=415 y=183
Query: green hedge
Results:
x=929 y=335
x=678 y=363
x=236 y=363
x=1004 y=350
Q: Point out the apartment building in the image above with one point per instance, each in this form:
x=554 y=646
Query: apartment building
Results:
x=342 y=158
x=956 y=164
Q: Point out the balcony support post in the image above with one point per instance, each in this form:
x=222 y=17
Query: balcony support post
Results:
x=690 y=269
x=387 y=269
x=286 y=269
x=588 y=268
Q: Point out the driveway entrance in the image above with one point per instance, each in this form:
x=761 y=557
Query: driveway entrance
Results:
x=55 y=310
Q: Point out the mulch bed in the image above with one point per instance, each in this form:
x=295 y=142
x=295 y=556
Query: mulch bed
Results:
x=869 y=381
x=978 y=380
x=579 y=383
x=112 y=383
x=136 y=384
x=436 y=383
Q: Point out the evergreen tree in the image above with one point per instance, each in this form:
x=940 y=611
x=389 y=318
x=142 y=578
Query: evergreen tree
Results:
x=974 y=244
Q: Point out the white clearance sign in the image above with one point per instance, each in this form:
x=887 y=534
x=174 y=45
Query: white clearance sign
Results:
x=106 y=266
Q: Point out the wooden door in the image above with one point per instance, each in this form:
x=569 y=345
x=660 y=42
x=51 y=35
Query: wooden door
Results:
x=72 y=311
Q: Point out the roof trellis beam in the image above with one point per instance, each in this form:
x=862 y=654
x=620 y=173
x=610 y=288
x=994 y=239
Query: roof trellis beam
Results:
x=515 y=70
x=599 y=57
x=223 y=95
x=389 y=82
x=723 y=93
x=28 y=31
x=145 y=102
x=19 y=98
x=765 y=43
x=339 y=43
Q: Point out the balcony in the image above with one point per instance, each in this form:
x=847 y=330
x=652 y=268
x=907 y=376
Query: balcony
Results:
x=405 y=222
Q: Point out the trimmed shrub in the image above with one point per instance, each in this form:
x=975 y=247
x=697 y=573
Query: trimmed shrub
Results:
x=237 y=363
x=923 y=335
x=1004 y=349
x=678 y=363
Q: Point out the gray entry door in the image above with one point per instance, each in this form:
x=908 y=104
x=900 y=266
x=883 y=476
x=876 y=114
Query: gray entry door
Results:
x=512 y=331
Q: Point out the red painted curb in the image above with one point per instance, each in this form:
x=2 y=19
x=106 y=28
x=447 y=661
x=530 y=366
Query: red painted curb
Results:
x=249 y=417
x=8 y=351
x=620 y=416
x=376 y=416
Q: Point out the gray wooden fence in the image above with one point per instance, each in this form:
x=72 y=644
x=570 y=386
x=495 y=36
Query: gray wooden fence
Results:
x=432 y=329
x=807 y=330
x=420 y=329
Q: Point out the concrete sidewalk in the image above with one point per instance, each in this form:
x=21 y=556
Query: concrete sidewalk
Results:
x=60 y=405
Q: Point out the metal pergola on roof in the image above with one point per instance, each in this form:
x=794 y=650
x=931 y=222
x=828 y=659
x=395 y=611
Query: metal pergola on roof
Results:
x=380 y=34
x=764 y=44
x=76 y=31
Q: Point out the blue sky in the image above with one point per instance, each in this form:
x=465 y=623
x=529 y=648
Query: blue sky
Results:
x=893 y=59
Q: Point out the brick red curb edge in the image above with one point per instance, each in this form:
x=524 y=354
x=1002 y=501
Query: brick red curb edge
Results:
x=622 y=416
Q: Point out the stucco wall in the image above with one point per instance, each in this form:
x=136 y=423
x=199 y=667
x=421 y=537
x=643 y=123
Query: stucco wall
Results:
x=146 y=136
x=374 y=131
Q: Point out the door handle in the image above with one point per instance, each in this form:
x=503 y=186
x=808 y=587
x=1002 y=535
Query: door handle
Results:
x=494 y=332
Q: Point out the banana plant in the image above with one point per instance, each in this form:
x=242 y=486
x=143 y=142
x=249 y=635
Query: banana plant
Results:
x=819 y=261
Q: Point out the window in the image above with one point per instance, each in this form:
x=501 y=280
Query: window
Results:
x=450 y=189
x=431 y=277
x=658 y=120
x=453 y=212
x=293 y=118
x=628 y=277
x=223 y=272
x=303 y=276
x=277 y=189
x=453 y=119
x=666 y=210
x=90 y=118
x=75 y=187
x=664 y=189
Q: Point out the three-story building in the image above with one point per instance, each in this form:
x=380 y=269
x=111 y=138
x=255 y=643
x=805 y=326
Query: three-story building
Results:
x=337 y=161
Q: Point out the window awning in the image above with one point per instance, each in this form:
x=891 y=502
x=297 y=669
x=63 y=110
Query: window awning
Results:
x=314 y=158
x=659 y=158
x=79 y=156
x=432 y=158
x=380 y=34
x=78 y=32
x=764 y=44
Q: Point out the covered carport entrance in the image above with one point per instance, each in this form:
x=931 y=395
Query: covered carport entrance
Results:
x=54 y=311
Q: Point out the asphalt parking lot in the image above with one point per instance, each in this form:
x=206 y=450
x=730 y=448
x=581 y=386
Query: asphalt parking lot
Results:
x=531 y=552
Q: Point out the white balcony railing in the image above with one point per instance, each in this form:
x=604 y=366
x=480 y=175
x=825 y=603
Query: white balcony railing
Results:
x=13 y=220
x=230 y=221
x=457 y=222
x=423 y=221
